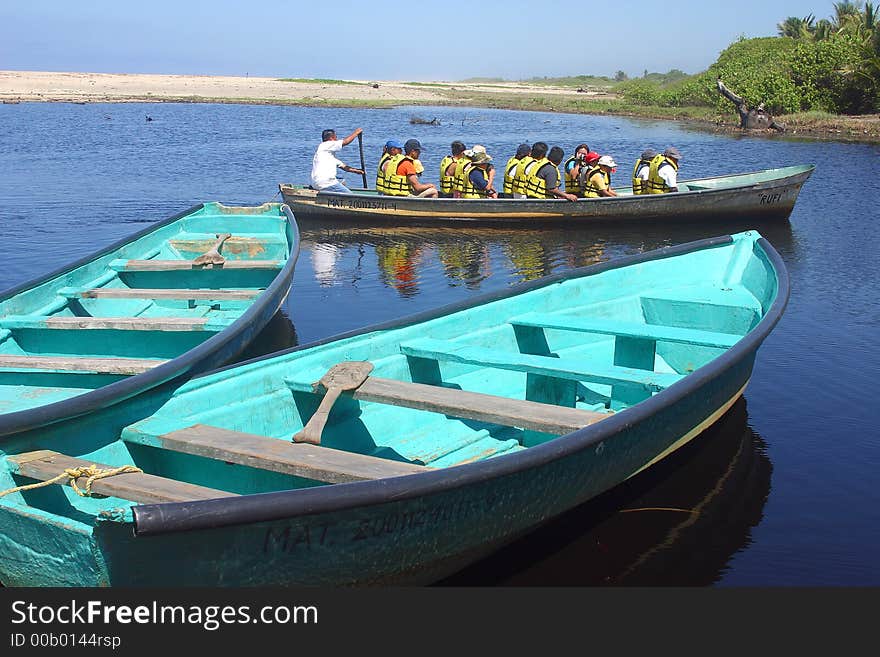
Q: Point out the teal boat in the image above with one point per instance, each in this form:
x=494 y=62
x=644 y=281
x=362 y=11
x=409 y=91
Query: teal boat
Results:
x=402 y=452
x=181 y=297
x=769 y=194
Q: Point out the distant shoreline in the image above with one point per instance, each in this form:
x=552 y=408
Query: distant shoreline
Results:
x=36 y=86
x=72 y=87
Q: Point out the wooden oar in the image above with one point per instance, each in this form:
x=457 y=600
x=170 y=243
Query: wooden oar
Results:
x=342 y=376
x=212 y=256
x=363 y=166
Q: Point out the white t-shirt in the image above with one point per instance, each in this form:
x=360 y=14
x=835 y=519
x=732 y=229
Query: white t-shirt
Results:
x=642 y=171
x=669 y=175
x=325 y=163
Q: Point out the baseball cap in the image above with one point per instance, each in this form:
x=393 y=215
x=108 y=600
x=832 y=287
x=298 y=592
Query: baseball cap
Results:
x=523 y=149
x=607 y=161
x=412 y=145
x=672 y=151
x=391 y=143
x=649 y=154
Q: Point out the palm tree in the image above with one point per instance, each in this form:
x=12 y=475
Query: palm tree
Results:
x=796 y=28
x=847 y=15
x=823 y=30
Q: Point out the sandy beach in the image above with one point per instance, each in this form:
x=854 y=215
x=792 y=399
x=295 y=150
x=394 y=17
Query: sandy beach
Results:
x=46 y=86
x=29 y=86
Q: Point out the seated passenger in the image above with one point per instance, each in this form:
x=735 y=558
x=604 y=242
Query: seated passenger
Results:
x=509 y=189
x=391 y=149
x=663 y=174
x=405 y=179
x=544 y=178
x=641 y=170
x=599 y=178
x=478 y=185
x=447 y=168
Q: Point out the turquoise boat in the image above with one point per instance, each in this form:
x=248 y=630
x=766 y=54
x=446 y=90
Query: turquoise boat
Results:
x=181 y=297
x=403 y=452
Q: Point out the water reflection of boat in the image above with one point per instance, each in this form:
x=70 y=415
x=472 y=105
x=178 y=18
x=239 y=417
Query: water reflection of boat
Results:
x=397 y=266
x=464 y=255
x=467 y=252
x=466 y=260
x=678 y=524
x=766 y=194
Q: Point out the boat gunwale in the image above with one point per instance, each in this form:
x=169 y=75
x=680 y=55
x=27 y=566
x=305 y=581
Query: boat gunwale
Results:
x=25 y=420
x=796 y=171
x=280 y=505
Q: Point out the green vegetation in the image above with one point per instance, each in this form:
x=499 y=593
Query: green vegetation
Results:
x=579 y=81
x=320 y=81
x=832 y=65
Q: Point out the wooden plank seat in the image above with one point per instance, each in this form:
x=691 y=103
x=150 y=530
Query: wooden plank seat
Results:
x=617 y=328
x=536 y=416
x=79 y=364
x=171 y=265
x=160 y=293
x=275 y=454
x=563 y=368
x=116 y=323
x=139 y=487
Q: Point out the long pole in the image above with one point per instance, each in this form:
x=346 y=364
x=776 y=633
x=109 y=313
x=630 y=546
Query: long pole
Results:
x=363 y=166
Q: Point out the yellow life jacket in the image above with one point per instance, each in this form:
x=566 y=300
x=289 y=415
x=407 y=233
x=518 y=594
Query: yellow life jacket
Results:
x=572 y=184
x=380 y=175
x=446 y=182
x=520 y=178
x=395 y=184
x=537 y=187
x=510 y=174
x=459 y=180
x=590 y=190
x=637 y=182
x=419 y=167
x=470 y=190
x=656 y=184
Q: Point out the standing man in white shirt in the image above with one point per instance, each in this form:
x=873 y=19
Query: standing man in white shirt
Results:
x=325 y=162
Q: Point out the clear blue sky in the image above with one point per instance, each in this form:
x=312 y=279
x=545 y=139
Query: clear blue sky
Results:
x=382 y=41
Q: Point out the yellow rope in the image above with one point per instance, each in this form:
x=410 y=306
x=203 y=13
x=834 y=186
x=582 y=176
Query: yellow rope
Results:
x=92 y=472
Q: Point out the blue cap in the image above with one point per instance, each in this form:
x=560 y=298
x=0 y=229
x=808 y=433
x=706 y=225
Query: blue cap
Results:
x=393 y=144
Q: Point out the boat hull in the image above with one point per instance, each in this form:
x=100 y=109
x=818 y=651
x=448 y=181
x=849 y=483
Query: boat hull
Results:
x=432 y=532
x=412 y=529
x=198 y=354
x=759 y=196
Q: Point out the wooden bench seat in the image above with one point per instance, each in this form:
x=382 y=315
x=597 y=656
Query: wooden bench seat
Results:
x=116 y=323
x=298 y=459
x=77 y=364
x=563 y=368
x=627 y=329
x=535 y=416
x=160 y=293
x=139 y=487
x=187 y=265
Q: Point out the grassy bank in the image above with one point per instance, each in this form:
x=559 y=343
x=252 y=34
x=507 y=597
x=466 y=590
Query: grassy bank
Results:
x=597 y=96
x=815 y=125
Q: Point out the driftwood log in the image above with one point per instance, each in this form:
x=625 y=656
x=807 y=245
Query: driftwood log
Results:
x=751 y=118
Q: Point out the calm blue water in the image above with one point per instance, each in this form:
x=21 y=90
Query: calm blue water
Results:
x=783 y=491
